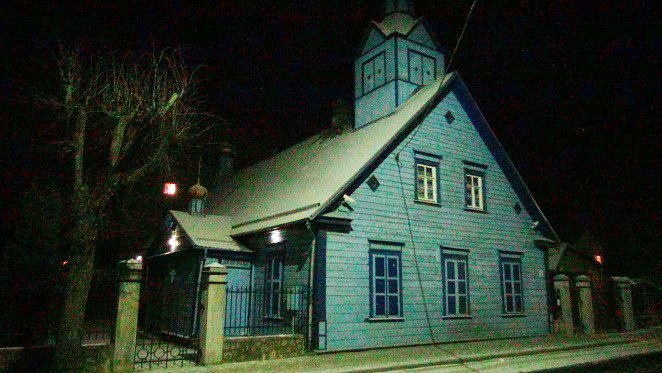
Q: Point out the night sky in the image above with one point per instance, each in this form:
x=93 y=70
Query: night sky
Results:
x=570 y=89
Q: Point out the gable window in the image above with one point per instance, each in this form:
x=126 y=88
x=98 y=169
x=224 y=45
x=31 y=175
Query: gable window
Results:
x=455 y=282
x=374 y=73
x=273 y=287
x=426 y=182
x=385 y=281
x=474 y=187
x=511 y=283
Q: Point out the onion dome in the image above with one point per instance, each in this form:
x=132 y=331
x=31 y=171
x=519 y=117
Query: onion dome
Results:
x=198 y=191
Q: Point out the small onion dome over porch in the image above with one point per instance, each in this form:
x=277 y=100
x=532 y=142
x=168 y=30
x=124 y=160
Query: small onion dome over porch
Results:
x=198 y=191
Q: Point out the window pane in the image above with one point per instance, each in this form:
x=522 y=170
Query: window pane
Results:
x=450 y=270
x=462 y=287
x=379 y=266
x=518 y=288
x=509 y=287
x=461 y=270
x=516 y=271
x=462 y=305
x=509 y=303
x=506 y=271
x=518 y=303
x=275 y=299
x=380 y=286
x=393 y=305
x=393 y=286
x=451 y=305
x=276 y=271
x=451 y=287
x=392 y=267
x=380 y=305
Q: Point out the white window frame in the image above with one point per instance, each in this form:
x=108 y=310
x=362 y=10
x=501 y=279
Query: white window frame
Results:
x=511 y=266
x=388 y=291
x=473 y=183
x=426 y=189
x=456 y=281
x=270 y=283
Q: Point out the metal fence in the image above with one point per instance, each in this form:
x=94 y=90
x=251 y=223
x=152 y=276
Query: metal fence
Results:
x=167 y=335
x=259 y=311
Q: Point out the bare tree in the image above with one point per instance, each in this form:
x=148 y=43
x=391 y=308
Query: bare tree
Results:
x=123 y=119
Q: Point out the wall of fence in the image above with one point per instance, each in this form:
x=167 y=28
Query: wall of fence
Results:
x=259 y=311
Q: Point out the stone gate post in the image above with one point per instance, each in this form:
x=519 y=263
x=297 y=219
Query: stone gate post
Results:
x=126 y=325
x=562 y=290
x=624 y=298
x=213 y=314
x=583 y=284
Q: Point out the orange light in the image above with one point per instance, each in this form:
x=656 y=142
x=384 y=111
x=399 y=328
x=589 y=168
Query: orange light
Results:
x=169 y=189
x=598 y=259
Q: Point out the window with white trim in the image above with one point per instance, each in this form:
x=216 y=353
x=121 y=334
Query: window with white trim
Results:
x=426 y=182
x=511 y=283
x=456 y=284
x=385 y=284
x=273 y=287
x=474 y=190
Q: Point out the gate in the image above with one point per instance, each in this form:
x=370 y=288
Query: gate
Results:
x=168 y=319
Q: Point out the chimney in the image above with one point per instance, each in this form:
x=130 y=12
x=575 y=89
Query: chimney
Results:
x=342 y=116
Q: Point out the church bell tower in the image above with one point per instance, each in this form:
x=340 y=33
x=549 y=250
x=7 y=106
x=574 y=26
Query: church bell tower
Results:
x=398 y=55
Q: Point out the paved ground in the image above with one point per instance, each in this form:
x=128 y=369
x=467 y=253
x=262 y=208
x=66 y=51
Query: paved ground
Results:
x=521 y=354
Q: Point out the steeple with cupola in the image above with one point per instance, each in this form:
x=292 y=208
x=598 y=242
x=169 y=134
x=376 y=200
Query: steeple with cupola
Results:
x=398 y=55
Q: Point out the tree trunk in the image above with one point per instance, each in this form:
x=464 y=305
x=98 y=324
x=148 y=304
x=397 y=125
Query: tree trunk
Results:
x=71 y=328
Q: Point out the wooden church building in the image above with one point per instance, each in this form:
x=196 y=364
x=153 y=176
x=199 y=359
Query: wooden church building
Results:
x=411 y=226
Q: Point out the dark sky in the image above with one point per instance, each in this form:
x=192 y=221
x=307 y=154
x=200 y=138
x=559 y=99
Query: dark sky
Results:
x=570 y=88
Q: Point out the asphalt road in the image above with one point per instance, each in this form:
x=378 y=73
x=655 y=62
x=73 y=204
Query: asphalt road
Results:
x=635 y=357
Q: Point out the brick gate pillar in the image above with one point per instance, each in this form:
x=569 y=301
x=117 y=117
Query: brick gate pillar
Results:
x=583 y=284
x=624 y=298
x=562 y=293
x=213 y=314
x=126 y=325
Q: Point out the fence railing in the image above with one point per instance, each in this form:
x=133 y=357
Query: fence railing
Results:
x=259 y=311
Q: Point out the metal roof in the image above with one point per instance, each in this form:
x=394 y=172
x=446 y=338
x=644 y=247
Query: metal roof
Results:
x=301 y=181
x=210 y=231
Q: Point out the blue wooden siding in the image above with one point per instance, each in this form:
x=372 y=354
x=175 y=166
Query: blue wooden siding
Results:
x=381 y=215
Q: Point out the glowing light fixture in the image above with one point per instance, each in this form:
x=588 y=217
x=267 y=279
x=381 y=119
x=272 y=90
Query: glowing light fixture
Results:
x=170 y=189
x=173 y=242
x=598 y=258
x=276 y=236
x=139 y=258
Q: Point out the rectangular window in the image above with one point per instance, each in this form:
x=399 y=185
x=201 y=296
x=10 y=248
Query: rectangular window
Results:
x=474 y=190
x=422 y=68
x=374 y=73
x=511 y=283
x=426 y=182
x=385 y=284
x=455 y=283
x=273 y=287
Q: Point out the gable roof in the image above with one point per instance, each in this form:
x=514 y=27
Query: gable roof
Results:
x=303 y=181
x=208 y=231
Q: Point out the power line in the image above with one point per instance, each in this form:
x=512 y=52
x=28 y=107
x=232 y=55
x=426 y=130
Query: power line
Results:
x=466 y=23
